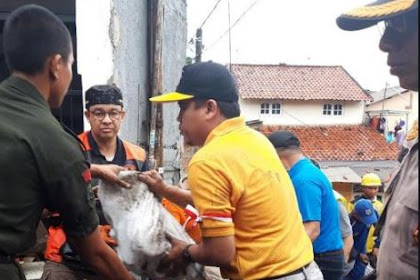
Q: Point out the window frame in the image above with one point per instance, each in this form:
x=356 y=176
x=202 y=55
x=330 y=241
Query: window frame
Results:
x=332 y=109
x=274 y=109
x=265 y=110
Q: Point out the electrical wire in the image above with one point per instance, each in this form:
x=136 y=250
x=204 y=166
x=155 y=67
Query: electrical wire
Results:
x=233 y=25
x=192 y=40
x=211 y=12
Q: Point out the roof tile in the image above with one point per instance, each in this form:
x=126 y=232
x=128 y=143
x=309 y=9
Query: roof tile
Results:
x=297 y=83
x=340 y=143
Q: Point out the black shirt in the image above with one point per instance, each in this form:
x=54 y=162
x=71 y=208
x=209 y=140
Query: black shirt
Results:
x=93 y=154
x=41 y=166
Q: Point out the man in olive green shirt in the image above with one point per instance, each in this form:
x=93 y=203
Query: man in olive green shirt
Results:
x=398 y=225
x=41 y=165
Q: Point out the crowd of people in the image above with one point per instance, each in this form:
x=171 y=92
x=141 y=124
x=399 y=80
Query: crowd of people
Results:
x=266 y=210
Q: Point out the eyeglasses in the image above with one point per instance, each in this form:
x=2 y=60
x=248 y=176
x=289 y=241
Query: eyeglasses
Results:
x=403 y=24
x=100 y=115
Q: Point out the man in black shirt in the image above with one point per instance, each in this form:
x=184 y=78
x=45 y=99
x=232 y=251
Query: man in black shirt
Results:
x=102 y=147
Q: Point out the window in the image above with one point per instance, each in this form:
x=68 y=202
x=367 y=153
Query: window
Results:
x=275 y=109
x=327 y=109
x=338 y=110
x=270 y=109
x=333 y=109
x=265 y=109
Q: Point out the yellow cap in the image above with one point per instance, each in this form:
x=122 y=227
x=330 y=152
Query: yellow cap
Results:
x=371 y=180
x=171 y=97
x=369 y=15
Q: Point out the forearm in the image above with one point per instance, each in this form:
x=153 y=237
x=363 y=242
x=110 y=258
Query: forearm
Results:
x=348 y=244
x=312 y=229
x=95 y=171
x=177 y=195
x=108 y=265
x=101 y=258
x=219 y=253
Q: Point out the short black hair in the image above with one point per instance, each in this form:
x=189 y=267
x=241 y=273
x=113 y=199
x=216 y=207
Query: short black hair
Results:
x=32 y=34
x=228 y=109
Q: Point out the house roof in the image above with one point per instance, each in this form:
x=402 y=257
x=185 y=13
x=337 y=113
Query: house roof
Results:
x=386 y=93
x=342 y=175
x=381 y=168
x=340 y=143
x=297 y=83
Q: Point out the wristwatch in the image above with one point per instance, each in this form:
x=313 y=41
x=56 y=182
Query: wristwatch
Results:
x=186 y=254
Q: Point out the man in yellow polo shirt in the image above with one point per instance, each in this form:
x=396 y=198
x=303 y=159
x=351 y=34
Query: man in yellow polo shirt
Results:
x=249 y=217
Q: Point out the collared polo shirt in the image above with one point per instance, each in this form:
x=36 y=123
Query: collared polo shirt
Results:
x=127 y=155
x=238 y=182
x=41 y=166
x=317 y=203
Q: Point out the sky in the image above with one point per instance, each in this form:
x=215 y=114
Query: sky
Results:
x=295 y=32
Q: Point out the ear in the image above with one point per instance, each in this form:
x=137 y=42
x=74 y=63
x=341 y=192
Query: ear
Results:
x=122 y=115
x=54 y=64
x=87 y=115
x=211 y=108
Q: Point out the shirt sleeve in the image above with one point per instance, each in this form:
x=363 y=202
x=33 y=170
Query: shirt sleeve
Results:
x=146 y=166
x=71 y=195
x=345 y=226
x=211 y=192
x=67 y=183
x=309 y=197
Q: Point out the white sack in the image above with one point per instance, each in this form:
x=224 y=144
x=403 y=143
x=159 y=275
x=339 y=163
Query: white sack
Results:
x=139 y=223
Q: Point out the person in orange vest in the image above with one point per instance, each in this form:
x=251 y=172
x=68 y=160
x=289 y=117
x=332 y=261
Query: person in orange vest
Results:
x=103 y=149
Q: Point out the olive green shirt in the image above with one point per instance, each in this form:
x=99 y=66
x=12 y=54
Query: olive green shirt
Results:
x=398 y=252
x=41 y=166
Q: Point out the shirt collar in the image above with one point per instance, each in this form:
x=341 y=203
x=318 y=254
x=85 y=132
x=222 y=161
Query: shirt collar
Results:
x=225 y=127
x=95 y=148
x=296 y=167
x=27 y=88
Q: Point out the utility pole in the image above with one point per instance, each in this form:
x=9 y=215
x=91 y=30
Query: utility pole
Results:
x=156 y=81
x=198 y=44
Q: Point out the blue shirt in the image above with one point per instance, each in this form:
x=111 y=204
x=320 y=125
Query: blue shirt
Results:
x=317 y=203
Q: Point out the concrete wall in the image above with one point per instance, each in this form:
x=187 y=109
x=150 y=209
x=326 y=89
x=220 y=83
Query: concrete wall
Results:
x=113 y=48
x=407 y=101
x=304 y=113
x=174 y=55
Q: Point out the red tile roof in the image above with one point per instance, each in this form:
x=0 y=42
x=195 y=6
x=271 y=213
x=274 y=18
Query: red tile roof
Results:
x=341 y=143
x=297 y=83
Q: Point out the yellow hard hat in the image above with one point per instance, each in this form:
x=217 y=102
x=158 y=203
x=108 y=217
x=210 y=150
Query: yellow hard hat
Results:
x=371 y=180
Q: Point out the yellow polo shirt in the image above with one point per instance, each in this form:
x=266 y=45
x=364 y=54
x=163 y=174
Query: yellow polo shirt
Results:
x=237 y=174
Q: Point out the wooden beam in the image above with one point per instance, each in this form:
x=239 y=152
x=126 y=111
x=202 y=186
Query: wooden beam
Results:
x=156 y=116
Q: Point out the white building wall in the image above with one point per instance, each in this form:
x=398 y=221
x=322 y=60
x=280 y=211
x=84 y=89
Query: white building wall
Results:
x=407 y=101
x=304 y=112
x=112 y=46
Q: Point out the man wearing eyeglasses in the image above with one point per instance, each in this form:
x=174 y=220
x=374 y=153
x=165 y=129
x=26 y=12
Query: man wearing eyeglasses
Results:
x=398 y=225
x=105 y=151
